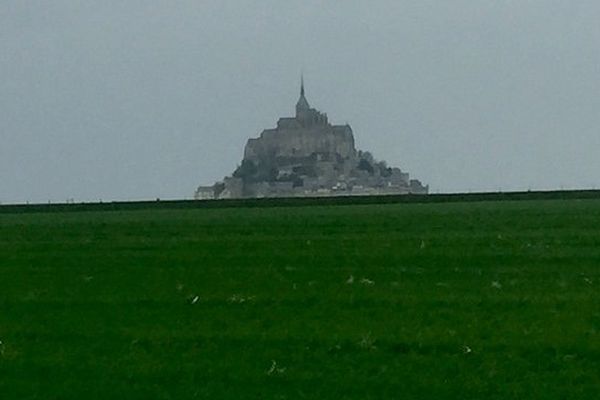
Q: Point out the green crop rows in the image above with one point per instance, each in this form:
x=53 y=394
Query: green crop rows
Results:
x=489 y=300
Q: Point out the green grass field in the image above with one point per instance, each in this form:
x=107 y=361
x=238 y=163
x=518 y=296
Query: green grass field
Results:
x=486 y=300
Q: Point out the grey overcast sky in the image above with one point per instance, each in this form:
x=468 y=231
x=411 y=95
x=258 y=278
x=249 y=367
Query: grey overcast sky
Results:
x=144 y=99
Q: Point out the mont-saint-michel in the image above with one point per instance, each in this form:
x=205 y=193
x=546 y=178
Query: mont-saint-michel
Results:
x=306 y=156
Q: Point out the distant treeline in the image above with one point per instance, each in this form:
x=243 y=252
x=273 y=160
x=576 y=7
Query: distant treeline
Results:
x=301 y=201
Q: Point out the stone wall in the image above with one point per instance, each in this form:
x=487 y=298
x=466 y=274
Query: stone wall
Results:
x=290 y=142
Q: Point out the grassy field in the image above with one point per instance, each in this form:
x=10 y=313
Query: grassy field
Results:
x=487 y=300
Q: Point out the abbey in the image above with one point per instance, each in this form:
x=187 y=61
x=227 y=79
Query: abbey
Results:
x=307 y=156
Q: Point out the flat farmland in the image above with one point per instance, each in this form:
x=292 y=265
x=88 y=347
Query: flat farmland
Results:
x=489 y=300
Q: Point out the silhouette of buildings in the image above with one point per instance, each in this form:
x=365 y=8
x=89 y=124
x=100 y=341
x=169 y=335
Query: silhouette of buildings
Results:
x=307 y=156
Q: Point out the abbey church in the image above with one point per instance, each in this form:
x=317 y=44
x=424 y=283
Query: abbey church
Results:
x=306 y=156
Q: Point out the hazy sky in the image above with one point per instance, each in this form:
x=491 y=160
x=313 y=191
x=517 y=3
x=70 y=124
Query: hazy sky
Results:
x=144 y=99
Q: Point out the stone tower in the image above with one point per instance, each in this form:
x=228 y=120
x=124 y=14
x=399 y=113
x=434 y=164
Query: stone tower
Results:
x=304 y=114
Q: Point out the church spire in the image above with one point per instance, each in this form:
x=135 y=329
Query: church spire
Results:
x=302 y=104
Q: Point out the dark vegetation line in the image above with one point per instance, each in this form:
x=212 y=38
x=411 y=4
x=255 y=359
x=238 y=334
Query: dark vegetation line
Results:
x=302 y=201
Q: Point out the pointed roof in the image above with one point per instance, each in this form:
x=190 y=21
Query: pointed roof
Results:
x=302 y=104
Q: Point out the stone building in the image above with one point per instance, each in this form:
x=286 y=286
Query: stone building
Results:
x=307 y=156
